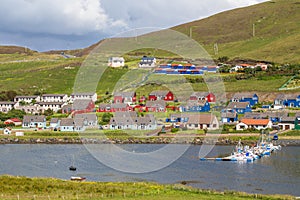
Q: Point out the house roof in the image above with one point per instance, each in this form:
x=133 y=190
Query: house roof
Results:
x=263 y=122
x=53 y=95
x=125 y=94
x=79 y=122
x=159 y=92
x=288 y=119
x=146 y=120
x=54 y=120
x=118 y=105
x=81 y=104
x=200 y=94
x=287 y=96
x=104 y=105
x=34 y=118
x=51 y=103
x=191 y=103
x=67 y=122
x=243 y=95
x=7 y=103
x=87 y=116
x=14 y=120
x=201 y=119
x=228 y=114
x=157 y=103
x=32 y=96
x=128 y=114
x=232 y=105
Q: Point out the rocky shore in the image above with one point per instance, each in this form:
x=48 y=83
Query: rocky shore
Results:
x=152 y=140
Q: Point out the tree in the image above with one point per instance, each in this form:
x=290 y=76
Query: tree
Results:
x=48 y=112
x=106 y=117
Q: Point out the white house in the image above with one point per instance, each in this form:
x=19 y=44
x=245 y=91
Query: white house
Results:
x=90 y=119
x=27 y=99
x=34 y=121
x=54 y=98
x=147 y=62
x=30 y=109
x=54 y=106
x=70 y=124
x=6 y=106
x=257 y=124
x=84 y=95
x=7 y=131
x=54 y=123
x=116 y=62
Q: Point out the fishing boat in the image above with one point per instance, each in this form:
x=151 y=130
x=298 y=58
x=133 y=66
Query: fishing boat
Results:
x=77 y=178
x=72 y=167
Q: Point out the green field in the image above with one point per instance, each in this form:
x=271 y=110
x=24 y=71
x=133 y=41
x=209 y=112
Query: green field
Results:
x=50 y=188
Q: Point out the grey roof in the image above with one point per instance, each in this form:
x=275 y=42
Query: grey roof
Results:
x=228 y=114
x=34 y=118
x=118 y=105
x=256 y=115
x=283 y=96
x=53 y=95
x=159 y=92
x=288 y=119
x=125 y=94
x=146 y=120
x=54 y=120
x=242 y=95
x=79 y=122
x=232 y=105
x=157 y=104
x=30 y=96
x=87 y=116
x=129 y=114
x=51 y=103
x=7 y=103
x=200 y=94
x=67 y=122
x=191 y=103
x=81 y=104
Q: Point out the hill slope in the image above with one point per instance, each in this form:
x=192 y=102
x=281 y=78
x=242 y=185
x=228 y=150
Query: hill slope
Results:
x=268 y=31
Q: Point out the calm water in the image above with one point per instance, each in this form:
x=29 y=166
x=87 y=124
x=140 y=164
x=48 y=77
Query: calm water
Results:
x=279 y=173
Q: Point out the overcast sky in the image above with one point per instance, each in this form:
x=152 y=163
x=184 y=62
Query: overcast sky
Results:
x=70 y=24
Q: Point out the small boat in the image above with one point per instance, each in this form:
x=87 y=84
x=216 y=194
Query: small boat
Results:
x=72 y=168
x=77 y=178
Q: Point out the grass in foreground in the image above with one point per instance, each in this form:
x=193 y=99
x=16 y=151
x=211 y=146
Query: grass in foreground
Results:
x=50 y=188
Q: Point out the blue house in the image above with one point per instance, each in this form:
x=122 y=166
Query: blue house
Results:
x=229 y=116
x=195 y=106
x=240 y=107
x=245 y=97
x=287 y=100
x=147 y=62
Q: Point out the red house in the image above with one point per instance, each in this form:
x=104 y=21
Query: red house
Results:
x=14 y=121
x=125 y=97
x=207 y=96
x=161 y=95
x=79 y=106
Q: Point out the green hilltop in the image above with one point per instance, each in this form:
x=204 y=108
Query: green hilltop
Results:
x=268 y=31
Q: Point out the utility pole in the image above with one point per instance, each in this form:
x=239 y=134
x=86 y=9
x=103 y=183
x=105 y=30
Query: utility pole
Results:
x=253 y=30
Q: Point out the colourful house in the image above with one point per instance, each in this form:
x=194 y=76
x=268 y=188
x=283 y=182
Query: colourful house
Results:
x=208 y=96
x=161 y=95
x=125 y=97
x=252 y=98
x=240 y=107
x=287 y=100
x=195 y=106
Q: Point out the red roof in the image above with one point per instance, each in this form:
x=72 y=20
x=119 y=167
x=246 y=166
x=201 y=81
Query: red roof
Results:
x=256 y=121
x=15 y=120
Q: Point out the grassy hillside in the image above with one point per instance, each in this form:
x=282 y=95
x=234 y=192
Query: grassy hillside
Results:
x=276 y=35
x=42 y=188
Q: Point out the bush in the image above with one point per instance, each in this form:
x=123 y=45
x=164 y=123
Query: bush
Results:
x=174 y=130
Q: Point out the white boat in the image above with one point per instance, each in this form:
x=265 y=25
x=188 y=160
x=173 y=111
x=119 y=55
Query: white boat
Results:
x=77 y=178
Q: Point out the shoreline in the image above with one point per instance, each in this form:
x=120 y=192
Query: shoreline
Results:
x=152 y=140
